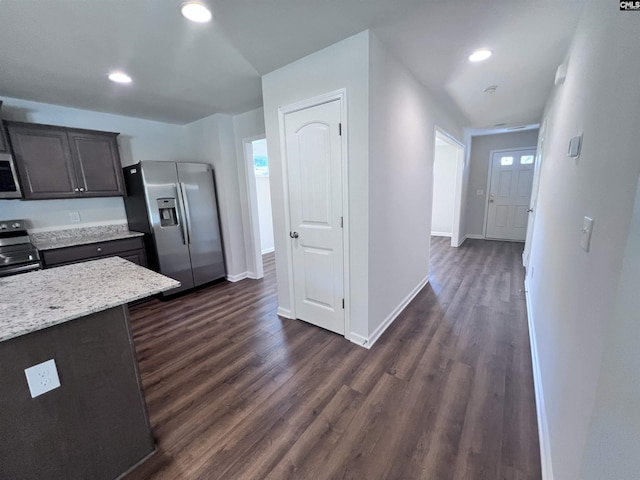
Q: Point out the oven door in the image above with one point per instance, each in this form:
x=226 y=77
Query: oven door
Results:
x=9 y=186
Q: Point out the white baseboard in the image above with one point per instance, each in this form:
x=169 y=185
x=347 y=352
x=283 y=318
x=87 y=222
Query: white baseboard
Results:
x=238 y=277
x=357 y=339
x=473 y=236
x=461 y=241
x=252 y=275
x=284 y=312
x=543 y=426
x=394 y=314
x=440 y=234
x=268 y=250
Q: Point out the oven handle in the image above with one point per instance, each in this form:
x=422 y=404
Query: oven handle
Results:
x=21 y=269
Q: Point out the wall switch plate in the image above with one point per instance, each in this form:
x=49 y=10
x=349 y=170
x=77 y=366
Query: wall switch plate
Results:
x=587 y=229
x=574 y=146
x=74 y=217
x=42 y=378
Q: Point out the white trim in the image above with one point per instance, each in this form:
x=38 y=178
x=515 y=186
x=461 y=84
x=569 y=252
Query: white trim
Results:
x=285 y=312
x=340 y=95
x=268 y=250
x=252 y=204
x=238 y=277
x=461 y=242
x=440 y=234
x=541 y=411
x=357 y=339
x=396 y=311
x=486 y=195
x=473 y=237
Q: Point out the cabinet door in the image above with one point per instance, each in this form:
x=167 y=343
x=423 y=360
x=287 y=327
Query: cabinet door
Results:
x=43 y=159
x=97 y=163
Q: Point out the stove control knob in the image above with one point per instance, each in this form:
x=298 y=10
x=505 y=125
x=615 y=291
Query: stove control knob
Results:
x=15 y=225
x=3 y=226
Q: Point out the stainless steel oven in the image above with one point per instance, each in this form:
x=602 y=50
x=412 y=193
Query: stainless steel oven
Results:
x=9 y=186
x=17 y=254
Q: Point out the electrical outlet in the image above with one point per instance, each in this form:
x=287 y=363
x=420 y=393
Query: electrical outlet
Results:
x=42 y=378
x=74 y=217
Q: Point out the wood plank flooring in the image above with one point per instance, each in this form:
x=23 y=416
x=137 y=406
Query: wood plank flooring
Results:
x=235 y=392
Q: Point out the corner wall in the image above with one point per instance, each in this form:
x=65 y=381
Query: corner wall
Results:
x=402 y=119
x=342 y=65
x=582 y=316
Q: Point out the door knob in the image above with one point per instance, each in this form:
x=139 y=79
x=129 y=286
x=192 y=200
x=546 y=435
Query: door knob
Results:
x=293 y=234
x=529 y=210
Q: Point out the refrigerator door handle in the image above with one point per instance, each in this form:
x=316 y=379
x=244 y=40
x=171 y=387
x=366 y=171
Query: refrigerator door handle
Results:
x=183 y=216
x=185 y=199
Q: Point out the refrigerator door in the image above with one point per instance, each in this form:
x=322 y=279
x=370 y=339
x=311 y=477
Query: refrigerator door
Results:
x=203 y=229
x=167 y=218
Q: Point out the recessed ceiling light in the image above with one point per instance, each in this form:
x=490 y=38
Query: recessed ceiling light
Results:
x=480 y=55
x=195 y=11
x=119 y=77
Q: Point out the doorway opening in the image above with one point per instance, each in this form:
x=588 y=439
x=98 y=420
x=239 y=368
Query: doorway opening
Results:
x=261 y=218
x=448 y=167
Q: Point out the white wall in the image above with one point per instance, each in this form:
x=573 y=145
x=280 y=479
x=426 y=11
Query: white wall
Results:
x=479 y=160
x=139 y=139
x=264 y=214
x=402 y=119
x=614 y=434
x=444 y=190
x=263 y=194
x=248 y=126
x=213 y=140
x=343 y=65
x=584 y=317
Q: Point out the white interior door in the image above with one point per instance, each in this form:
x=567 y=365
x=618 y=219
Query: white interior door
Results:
x=534 y=196
x=314 y=168
x=509 y=194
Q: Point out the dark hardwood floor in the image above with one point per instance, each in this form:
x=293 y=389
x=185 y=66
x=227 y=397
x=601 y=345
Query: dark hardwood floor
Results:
x=235 y=392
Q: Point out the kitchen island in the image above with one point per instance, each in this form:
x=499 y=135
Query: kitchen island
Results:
x=95 y=424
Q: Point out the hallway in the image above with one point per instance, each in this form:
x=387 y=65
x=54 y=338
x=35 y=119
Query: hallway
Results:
x=234 y=392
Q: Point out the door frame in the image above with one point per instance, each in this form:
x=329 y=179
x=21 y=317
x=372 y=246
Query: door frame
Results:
x=252 y=200
x=533 y=203
x=460 y=164
x=341 y=96
x=487 y=190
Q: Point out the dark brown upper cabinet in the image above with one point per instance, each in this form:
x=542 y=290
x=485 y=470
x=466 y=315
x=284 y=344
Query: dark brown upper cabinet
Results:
x=59 y=162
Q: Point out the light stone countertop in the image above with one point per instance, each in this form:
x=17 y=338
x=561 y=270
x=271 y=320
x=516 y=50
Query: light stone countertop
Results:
x=44 y=298
x=80 y=236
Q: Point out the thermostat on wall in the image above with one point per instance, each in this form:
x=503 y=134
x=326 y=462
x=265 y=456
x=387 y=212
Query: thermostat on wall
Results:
x=574 y=146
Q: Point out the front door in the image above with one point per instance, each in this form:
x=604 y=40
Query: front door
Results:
x=314 y=168
x=510 y=194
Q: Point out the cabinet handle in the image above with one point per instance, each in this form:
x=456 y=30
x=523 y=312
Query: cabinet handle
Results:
x=99 y=249
x=76 y=189
x=82 y=189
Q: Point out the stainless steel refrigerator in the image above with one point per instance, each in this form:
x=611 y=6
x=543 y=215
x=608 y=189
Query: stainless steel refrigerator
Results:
x=174 y=204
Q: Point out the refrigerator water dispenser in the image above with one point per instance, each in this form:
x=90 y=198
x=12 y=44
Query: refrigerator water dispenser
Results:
x=167 y=208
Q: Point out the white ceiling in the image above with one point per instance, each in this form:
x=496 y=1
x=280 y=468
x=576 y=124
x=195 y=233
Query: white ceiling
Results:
x=59 y=51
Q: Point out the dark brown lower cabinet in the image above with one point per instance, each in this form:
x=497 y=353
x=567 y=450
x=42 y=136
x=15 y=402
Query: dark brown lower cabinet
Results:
x=95 y=425
x=131 y=249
